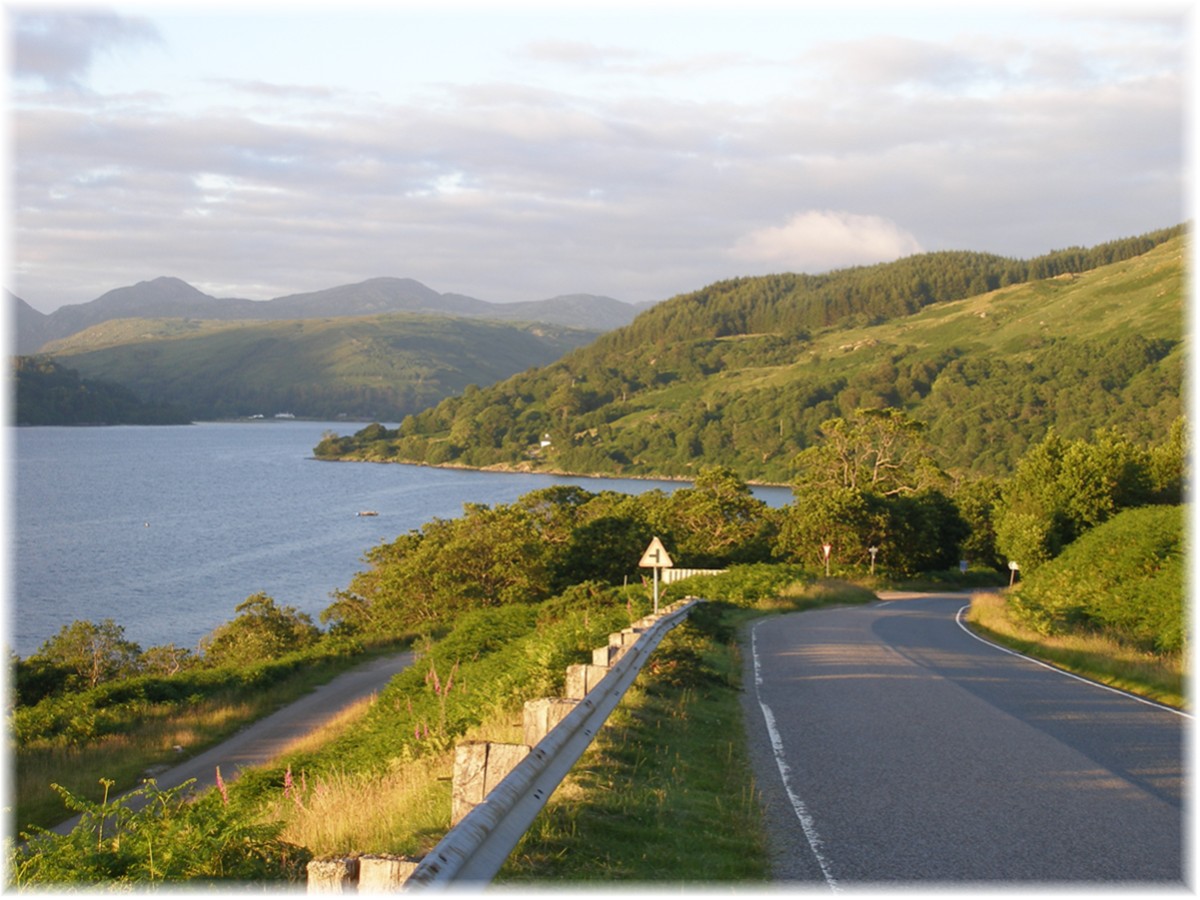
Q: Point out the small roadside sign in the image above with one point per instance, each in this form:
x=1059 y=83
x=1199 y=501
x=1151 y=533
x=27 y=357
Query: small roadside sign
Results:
x=656 y=556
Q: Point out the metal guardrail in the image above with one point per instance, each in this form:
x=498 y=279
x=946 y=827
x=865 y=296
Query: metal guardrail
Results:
x=473 y=851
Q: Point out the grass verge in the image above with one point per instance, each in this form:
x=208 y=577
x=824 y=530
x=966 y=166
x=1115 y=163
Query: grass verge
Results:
x=665 y=793
x=1155 y=677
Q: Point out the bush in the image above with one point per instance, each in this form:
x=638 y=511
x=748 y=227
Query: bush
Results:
x=1123 y=578
x=262 y=631
x=743 y=585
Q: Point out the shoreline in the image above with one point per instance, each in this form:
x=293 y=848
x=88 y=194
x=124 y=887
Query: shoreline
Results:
x=509 y=469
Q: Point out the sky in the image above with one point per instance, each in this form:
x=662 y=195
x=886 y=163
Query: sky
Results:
x=525 y=150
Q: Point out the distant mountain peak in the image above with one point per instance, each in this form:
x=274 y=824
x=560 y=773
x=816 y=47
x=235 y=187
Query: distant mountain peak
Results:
x=169 y=297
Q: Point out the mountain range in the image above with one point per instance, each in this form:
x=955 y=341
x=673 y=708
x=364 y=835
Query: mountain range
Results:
x=173 y=298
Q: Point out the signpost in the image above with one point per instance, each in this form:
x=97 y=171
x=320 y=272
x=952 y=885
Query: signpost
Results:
x=827 y=548
x=1013 y=569
x=656 y=557
x=872 y=551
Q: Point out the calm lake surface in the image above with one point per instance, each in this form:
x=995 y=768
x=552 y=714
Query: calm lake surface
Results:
x=166 y=530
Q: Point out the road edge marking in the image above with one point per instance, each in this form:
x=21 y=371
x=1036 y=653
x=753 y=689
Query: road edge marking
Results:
x=798 y=806
x=958 y=619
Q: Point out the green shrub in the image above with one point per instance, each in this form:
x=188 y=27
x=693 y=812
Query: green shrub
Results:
x=743 y=585
x=1123 y=578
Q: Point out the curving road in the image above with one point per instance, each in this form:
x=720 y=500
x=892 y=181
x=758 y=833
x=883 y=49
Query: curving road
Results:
x=893 y=747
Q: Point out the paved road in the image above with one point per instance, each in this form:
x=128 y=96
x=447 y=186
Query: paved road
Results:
x=892 y=747
x=261 y=741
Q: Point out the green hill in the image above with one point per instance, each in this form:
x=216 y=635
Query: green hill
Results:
x=50 y=394
x=989 y=353
x=382 y=367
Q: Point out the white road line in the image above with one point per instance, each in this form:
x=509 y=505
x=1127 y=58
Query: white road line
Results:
x=958 y=617
x=798 y=806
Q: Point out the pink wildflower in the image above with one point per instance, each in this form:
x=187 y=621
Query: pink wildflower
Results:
x=287 y=782
x=221 y=787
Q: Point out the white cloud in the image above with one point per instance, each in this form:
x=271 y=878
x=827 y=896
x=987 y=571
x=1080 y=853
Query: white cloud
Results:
x=819 y=240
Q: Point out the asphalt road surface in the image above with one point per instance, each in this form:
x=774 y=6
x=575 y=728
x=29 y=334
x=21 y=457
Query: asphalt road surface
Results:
x=893 y=748
x=265 y=739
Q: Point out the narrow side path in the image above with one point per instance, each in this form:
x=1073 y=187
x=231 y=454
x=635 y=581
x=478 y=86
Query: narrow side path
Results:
x=263 y=740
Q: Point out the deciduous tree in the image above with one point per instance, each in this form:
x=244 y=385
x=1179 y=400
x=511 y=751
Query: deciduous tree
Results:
x=262 y=630
x=94 y=652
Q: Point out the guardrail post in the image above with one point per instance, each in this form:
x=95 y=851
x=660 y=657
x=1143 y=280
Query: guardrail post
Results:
x=478 y=767
x=384 y=874
x=606 y=655
x=581 y=679
x=332 y=876
x=540 y=717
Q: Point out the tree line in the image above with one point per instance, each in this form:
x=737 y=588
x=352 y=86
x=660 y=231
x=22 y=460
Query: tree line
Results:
x=47 y=393
x=871 y=492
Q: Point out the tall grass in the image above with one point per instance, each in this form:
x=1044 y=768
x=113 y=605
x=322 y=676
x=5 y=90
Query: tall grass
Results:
x=1158 y=677
x=405 y=811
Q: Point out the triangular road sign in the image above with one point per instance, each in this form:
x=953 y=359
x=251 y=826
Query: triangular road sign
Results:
x=656 y=556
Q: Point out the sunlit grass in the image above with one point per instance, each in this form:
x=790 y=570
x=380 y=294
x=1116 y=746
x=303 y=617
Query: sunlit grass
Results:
x=1154 y=676
x=405 y=811
x=824 y=592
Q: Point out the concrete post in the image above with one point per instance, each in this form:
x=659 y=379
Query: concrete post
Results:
x=581 y=679
x=332 y=876
x=541 y=716
x=626 y=638
x=384 y=874
x=478 y=767
x=606 y=655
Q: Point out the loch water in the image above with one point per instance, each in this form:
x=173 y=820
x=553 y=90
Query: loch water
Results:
x=165 y=530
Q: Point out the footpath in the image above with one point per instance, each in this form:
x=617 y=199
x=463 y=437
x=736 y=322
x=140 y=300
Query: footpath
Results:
x=262 y=741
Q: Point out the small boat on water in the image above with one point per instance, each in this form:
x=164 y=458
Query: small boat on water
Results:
x=366 y=512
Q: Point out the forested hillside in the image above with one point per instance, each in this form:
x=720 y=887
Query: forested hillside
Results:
x=989 y=353
x=385 y=366
x=50 y=394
